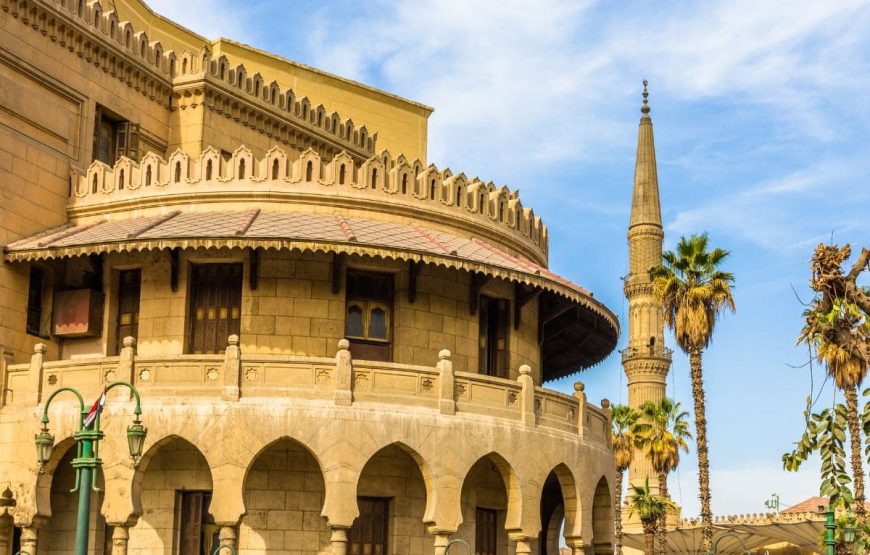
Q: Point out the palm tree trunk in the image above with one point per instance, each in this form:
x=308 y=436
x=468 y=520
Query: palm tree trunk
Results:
x=649 y=535
x=617 y=513
x=662 y=531
x=857 y=445
x=701 y=437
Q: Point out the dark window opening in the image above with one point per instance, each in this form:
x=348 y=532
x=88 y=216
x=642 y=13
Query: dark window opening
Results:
x=148 y=176
x=309 y=171
x=369 y=532
x=275 y=168
x=208 y=166
x=34 y=302
x=485 y=528
x=404 y=184
x=482 y=203
x=493 y=347
x=129 y=289
x=121 y=180
x=196 y=533
x=242 y=168
x=459 y=197
x=368 y=316
x=341 y=172
x=114 y=137
x=432 y=190
x=374 y=178
x=177 y=172
x=215 y=308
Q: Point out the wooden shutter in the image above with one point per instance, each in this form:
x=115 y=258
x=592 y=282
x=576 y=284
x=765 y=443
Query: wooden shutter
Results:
x=129 y=288
x=191 y=523
x=127 y=140
x=34 y=302
x=493 y=339
x=485 y=542
x=215 y=309
x=369 y=532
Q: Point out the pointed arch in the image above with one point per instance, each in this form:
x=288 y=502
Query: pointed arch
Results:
x=602 y=517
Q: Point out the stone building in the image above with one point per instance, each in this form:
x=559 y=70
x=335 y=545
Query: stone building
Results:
x=339 y=346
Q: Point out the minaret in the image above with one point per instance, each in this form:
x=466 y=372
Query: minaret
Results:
x=646 y=360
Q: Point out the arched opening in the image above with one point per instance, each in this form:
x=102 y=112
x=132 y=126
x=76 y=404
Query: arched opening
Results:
x=173 y=485
x=242 y=168
x=94 y=184
x=283 y=494
x=208 y=170
x=485 y=503
x=57 y=535
x=184 y=67
x=432 y=190
x=177 y=172
x=121 y=180
x=459 y=197
x=602 y=518
x=482 y=203
x=558 y=510
x=148 y=176
x=391 y=496
x=341 y=175
x=405 y=184
x=275 y=168
x=374 y=178
x=309 y=171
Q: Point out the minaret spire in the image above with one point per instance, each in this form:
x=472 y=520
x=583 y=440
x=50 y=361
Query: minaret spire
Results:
x=646 y=360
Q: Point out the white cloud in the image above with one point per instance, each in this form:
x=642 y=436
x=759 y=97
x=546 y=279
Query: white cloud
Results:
x=210 y=18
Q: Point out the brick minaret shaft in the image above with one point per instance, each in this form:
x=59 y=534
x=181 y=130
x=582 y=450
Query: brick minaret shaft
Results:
x=646 y=360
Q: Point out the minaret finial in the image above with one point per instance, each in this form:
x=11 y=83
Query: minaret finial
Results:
x=645 y=108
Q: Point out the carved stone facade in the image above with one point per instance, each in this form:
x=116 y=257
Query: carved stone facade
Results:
x=324 y=328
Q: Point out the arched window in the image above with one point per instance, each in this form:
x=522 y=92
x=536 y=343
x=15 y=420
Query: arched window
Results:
x=121 y=180
x=242 y=168
x=94 y=184
x=353 y=324
x=275 y=167
x=172 y=68
x=177 y=172
x=341 y=171
x=459 y=197
x=184 y=66
x=127 y=39
x=482 y=203
x=142 y=49
x=304 y=111
x=148 y=176
x=501 y=211
x=208 y=166
x=374 y=178
x=309 y=171
x=432 y=189
x=256 y=88
x=319 y=119
x=404 y=184
x=223 y=72
x=378 y=323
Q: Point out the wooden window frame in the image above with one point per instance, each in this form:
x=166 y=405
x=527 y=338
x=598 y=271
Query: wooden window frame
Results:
x=120 y=293
x=364 y=346
x=357 y=538
x=34 y=312
x=495 y=363
x=203 y=525
x=230 y=322
x=484 y=545
x=124 y=137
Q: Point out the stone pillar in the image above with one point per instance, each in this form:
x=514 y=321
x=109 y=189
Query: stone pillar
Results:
x=339 y=539
x=227 y=538
x=35 y=375
x=608 y=429
x=524 y=546
x=580 y=395
x=5 y=361
x=29 y=538
x=232 y=369
x=446 y=401
x=125 y=362
x=527 y=396
x=5 y=534
x=441 y=541
x=343 y=374
x=120 y=534
x=577 y=546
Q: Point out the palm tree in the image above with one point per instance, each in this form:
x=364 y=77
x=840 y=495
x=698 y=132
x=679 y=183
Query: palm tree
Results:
x=693 y=291
x=661 y=435
x=623 y=423
x=650 y=509
x=835 y=323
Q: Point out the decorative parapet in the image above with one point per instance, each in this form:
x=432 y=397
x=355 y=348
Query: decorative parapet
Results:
x=382 y=179
x=335 y=380
x=655 y=351
x=756 y=519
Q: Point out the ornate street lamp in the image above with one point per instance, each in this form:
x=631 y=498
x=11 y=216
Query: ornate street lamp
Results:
x=87 y=460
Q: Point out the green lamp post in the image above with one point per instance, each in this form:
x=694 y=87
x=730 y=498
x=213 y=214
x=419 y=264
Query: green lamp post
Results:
x=87 y=459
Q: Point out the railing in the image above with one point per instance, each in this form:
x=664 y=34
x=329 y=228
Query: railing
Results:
x=659 y=351
x=237 y=377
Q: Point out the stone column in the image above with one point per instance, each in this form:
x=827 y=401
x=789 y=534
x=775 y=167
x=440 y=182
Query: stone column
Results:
x=29 y=539
x=343 y=374
x=35 y=375
x=441 y=541
x=577 y=546
x=446 y=401
x=125 y=362
x=5 y=533
x=120 y=534
x=527 y=396
x=227 y=537
x=5 y=361
x=580 y=395
x=232 y=369
x=339 y=540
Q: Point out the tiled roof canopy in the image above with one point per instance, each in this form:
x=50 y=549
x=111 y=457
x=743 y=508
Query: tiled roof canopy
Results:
x=579 y=319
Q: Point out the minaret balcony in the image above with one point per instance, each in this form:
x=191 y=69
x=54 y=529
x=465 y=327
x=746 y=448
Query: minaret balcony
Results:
x=650 y=351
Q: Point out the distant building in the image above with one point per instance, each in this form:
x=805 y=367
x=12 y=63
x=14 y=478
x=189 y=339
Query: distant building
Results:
x=339 y=346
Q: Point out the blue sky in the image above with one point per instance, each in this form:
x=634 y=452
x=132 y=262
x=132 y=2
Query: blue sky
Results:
x=761 y=119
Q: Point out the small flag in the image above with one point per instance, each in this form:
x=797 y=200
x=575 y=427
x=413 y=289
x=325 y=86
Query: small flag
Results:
x=95 y=411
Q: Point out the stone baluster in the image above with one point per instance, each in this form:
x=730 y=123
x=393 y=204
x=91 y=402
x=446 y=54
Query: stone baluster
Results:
x=343 y=374
x=120 y=537
x=527 y=396
x=35 y=374
x=232 y=369
x=608 y=429
x=5 y=361
x=126 y=359
x=580 y=395
x=446 y=387
x=339 y=540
